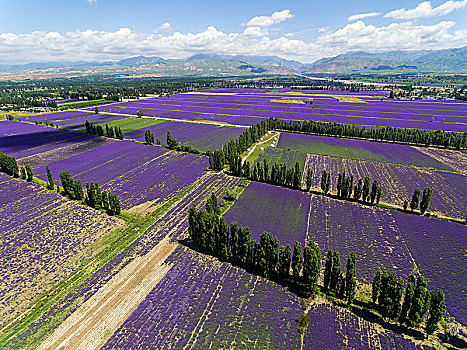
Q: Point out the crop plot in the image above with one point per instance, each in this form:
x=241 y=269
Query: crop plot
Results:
x=359 y=149
x=398 y=182
x=185 y=308
x=438 y=247
x=281 y=156
x=200 y=136
x=380 y=238
x=275 y=209
x=244 y=104
x=44 y=238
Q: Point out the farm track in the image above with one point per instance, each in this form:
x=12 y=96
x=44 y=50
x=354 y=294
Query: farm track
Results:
x=99 y=317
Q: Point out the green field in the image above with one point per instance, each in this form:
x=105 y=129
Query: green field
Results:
x=132 y=123
x=282 y=156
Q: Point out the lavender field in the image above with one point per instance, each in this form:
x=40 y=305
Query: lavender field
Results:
x=380 y=238
x=398 y=182
x=185 y=308
x=44 y=238
x=164 y=274
x=237 y=106
x=359 y=149
x=200 y=136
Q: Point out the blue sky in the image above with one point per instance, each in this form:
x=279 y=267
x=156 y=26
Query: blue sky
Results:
x=306 y=30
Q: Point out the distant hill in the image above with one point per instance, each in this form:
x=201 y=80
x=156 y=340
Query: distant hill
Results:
x=140 y=61
x=450 y=60
x=199 y=65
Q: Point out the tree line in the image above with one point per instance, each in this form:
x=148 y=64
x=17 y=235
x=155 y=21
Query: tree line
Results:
x=110 y=131
x=94 y=196
x=441 y=138
x=209 y=232
x=407 y=308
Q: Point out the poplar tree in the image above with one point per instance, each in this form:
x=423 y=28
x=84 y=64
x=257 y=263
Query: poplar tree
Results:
x=50 y=179
x=284 y=261
x=416 y=312
x=29 y=174
x=351 y=278
x=409 y=292
x=376 y=286
x=437 y=311
x=335 y=272
x=374 y=191
x=366 y=189
x=426 y=198
x=309 y=179
x=415 y=198
x=297 y=260
x=22 y=172
x=328 y=269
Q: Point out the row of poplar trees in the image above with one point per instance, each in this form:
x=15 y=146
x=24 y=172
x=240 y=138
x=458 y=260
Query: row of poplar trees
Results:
x=110 y=131
x=94 y=196
x=409 y=308
x=441 y=138
x=209 y=231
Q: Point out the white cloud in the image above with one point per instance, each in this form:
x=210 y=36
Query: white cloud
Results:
x=165 y=27
x=92 y=1
x=255 y=31
x=363 y=15
x=267 y=21
x=395 y=36
x=425 y=9
x=323 y=29
x=94 y=45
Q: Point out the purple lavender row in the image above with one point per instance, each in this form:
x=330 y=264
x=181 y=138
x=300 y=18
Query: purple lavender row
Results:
x=52 y=117
x=240 y=120
x=22 y=140
x=198 y=291
x=372 y=109
x=243 y=118
x=274 y=209
x=78 y=123
x=158 y=179
x=286 y=111
x=199 y=136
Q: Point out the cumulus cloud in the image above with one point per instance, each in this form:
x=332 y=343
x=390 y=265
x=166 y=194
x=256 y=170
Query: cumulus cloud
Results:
x=395 y=36
x=92 y=1
x=267 y=21
x=323 y=29
x=165 y=27
x=95 y=45
x=363 y=15
x=425 y=9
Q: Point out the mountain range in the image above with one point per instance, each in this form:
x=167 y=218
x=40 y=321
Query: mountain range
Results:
x=448 y=61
